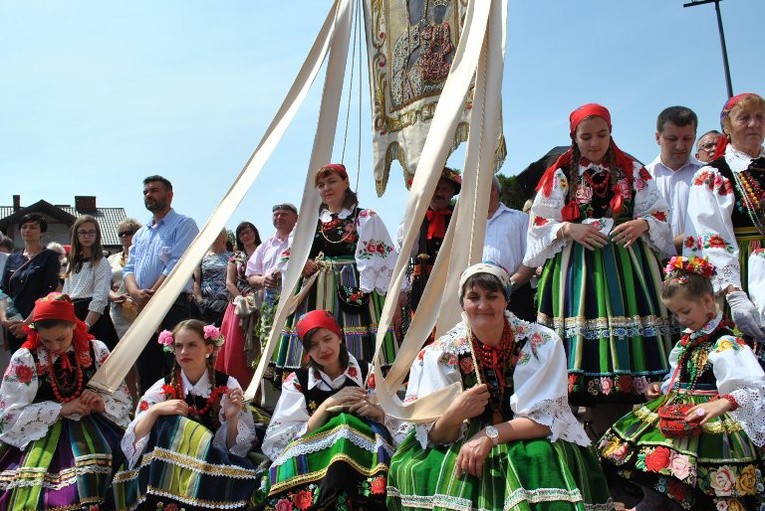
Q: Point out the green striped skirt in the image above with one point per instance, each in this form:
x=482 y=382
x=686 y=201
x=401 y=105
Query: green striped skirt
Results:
x=182 y=469
x=605 y=305
x=526 y=475
x=721 y=464
x=359 y=329
x=70 y=467
x=342 y=465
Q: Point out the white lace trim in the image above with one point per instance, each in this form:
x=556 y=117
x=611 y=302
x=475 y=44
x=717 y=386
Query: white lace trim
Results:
x=329 y=440
x=20 y=478
x=197 y=465
x=556 y=415
x=749 y=414
x=32 y=424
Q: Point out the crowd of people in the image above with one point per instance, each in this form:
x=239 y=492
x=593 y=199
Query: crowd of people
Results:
x=609 y=347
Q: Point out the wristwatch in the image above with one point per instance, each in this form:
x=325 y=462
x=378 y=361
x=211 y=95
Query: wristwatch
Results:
x=493 y=434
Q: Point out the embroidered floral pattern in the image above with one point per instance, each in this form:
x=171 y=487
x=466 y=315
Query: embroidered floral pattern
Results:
x=375 y=248
x=716 y=241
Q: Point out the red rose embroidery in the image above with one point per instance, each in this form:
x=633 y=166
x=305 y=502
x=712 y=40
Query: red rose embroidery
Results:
x=371 y=381
x=644 y=174
x=466 y=365
x=661 y=216
x=171 y=507
x=303 y=499
x=143 y=406
x=24 y=374
x=677 y=490
x=352 y=372
x=624 y=384
x=379 y=485
x=717 y=241
x=658 y=459
x=540 y=221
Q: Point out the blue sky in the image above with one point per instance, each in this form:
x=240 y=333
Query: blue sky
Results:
x=94 y=96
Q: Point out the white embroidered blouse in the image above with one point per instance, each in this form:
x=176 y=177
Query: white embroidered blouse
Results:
x=245 y=428
x=546 y=217
x=540 y=384
x=375 y=256
x=22 y=420
x=708 y=226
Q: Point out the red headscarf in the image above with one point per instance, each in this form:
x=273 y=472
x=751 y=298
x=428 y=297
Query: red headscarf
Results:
x=57 y=306
x=564 y=160
x=722 y=142
x=317 y=319
x=338 y=168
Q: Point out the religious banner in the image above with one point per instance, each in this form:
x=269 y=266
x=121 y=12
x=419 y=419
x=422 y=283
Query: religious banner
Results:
x=411 y=45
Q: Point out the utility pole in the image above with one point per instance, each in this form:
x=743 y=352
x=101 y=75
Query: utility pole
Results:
x=694 y=3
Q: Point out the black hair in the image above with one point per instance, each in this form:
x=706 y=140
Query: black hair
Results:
x=680 y=116
x=306 y=341
x=34 y=217
x=242 y=226
x=166 y=182
x=44 y=324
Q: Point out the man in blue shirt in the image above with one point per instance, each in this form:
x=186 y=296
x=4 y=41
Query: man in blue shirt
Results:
x=156 y=248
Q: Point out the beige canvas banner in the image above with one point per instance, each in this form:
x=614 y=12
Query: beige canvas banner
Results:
x=411 y=47
x=334 y=33
x=305 y=229
x=481 y=52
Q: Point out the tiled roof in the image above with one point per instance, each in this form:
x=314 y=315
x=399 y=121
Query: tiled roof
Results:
x=108 y=218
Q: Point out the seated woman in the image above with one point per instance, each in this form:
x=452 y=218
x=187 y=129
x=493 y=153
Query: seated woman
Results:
x=59 y=441
x=329 y=447
x=711 y=456
x=509 y=441
x=186 y=446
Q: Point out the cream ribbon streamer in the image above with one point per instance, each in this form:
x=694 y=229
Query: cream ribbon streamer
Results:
x=334 y=33
x=481 y=51
x=305 y=229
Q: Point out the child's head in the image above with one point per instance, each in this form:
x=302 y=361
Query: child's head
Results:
x=322 y=339
x=194 y=345
x=55 y=326
x=687 y=291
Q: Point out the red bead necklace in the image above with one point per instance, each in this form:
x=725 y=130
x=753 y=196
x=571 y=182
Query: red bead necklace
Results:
x=54 y=384
x=599 y=189
x=175 y=391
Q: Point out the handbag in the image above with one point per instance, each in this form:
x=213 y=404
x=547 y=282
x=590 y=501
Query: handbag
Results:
x=352 y=299
x=672 y=422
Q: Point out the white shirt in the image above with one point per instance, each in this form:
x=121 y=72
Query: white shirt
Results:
x=266 y=257
x=505 y=241
x=92 y=281
x=674 y=186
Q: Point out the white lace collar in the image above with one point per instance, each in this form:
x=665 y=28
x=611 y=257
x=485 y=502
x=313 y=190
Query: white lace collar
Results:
x=202 y=387
x=707 y=328
x=326 y=215
x=318 y=377
x=597 y=168
x=737 y=160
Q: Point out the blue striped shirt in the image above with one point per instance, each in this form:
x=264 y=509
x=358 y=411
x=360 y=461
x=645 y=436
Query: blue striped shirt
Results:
x=157 y=247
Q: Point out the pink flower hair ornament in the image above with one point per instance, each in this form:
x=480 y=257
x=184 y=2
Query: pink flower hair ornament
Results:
x=678 y=266
x=211 y=333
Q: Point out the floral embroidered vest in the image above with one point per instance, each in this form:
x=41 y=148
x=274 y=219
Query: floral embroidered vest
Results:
x=66 y=380
x=754 y=178
x=210 y=419
x=336 y=238
x=698 y=362
x=469 y=375
x=315 y=397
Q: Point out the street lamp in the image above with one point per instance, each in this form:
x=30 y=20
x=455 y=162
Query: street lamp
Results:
x=694 y=3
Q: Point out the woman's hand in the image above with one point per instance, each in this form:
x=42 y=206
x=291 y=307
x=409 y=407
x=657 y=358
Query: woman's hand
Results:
x=234 y=404
x=587 y=235
x=171 y=407
x=470 y=403
x=74 y=407
x=473 y=454
x=92 y=400
x=346 y=397
x=629 y=232
x=653 y=391
x=310 y=268
x=367 y=409
x=708 y=411
x=15 y=327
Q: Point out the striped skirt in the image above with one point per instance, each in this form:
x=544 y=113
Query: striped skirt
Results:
x=720 y=465
x=69 y=468
x=605 y=305
x=360 y=329
x=182 y=469
x=528 y=475
x=342 y=465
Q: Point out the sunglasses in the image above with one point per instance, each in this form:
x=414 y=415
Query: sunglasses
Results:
x=125 y=234
x=288 y=207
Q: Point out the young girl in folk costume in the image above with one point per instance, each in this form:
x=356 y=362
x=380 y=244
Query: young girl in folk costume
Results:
x=185 y=446
x=329 y=447
x=357 y=259
x=698 y=446
x=599 y=227
x=59 y=440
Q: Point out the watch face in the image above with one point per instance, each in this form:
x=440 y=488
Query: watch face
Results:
x=492 y=432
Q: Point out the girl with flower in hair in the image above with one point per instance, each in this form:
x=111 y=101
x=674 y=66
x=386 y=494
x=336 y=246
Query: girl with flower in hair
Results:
x=599 y=227
x=699 y=444
x=185 y=448
x=329 y=447
x=59 y=441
